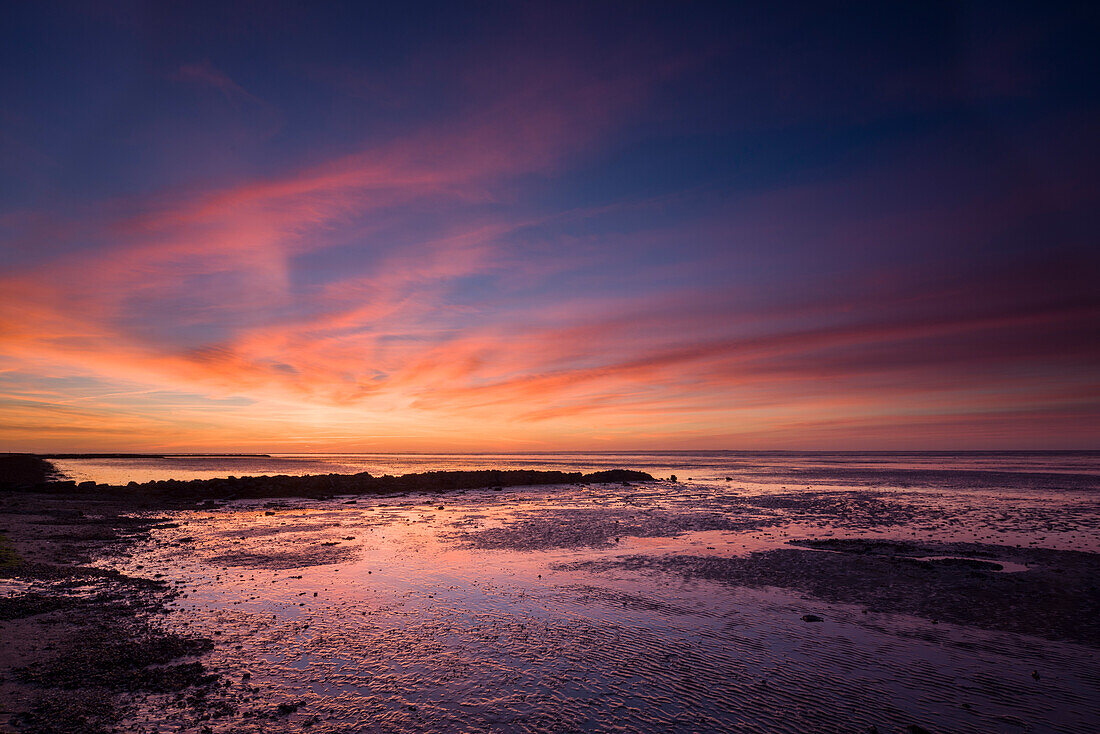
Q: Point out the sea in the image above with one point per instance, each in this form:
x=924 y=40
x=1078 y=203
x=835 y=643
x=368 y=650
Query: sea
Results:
x=1015 y=470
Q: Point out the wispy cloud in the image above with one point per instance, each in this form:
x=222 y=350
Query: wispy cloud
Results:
x=444 y=283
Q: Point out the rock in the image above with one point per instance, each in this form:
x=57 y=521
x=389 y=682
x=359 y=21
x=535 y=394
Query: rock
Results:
x=811 y=618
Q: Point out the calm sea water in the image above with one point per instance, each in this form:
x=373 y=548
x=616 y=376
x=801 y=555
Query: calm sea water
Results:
x=1025 y=471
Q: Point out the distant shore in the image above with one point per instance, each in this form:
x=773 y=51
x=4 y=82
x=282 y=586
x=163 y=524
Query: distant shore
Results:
x=151 y=456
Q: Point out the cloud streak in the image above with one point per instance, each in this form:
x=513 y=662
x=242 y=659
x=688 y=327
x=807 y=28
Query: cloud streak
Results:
x=490 y=277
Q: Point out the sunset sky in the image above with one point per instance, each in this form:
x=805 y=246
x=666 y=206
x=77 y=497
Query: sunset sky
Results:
x=515 y=226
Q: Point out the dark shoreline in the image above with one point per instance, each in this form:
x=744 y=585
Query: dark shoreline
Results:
x=30 y=472
x=81 y=642
x=26 y=471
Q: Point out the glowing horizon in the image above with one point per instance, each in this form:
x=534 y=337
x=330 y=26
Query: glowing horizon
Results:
x=529 y=232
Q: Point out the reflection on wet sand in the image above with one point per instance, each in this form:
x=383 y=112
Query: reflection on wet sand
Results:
x=656 y=606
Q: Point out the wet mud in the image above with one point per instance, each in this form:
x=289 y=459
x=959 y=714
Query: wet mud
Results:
x=1057 y=596
x=656 y=606
x=80 y=641
x=601 y=528
x=317 y=556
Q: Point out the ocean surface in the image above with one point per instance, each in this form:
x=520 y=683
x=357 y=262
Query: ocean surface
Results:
x=665 y=606
x=1028 y=471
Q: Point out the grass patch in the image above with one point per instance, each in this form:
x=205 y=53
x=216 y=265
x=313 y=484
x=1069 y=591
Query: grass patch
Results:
x=8 y=555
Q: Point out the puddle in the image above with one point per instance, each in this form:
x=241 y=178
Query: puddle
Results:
x=13 y=587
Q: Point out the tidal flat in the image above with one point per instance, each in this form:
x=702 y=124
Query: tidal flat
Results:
x=691 y=605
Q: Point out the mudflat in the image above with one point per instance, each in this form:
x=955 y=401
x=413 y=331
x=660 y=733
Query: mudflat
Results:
x=581 y=605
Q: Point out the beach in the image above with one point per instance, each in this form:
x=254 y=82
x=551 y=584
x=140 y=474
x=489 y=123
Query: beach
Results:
x=811 y=592
x=549 y=367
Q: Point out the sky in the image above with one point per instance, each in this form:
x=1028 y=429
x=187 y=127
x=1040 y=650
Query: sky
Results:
x=518 y=226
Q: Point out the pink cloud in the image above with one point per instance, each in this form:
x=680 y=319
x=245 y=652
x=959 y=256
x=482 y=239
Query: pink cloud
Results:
x=382 y=342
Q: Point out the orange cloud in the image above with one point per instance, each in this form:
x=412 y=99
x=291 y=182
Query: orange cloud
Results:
x=213 y=295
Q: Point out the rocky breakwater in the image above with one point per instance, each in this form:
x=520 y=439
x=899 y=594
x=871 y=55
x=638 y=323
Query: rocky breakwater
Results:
x=328 y=485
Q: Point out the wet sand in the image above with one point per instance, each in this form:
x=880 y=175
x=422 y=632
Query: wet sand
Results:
x=651 y=606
